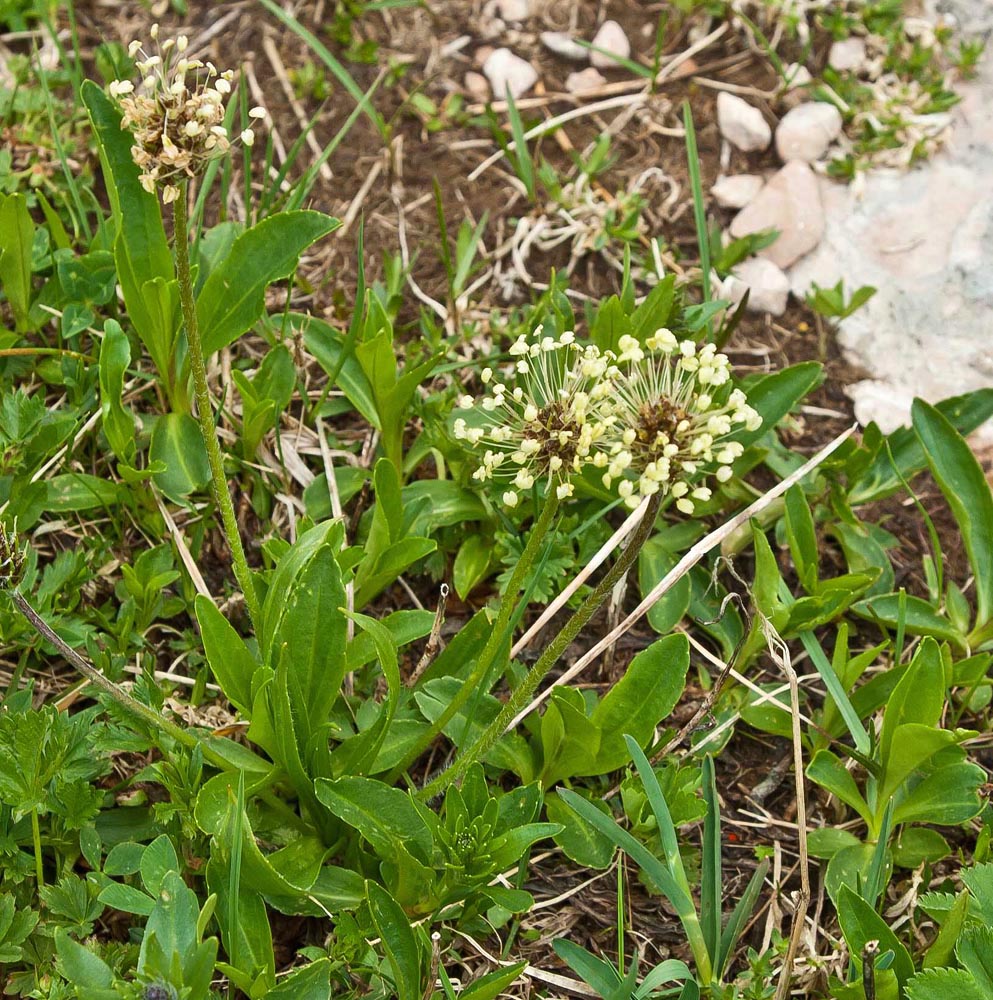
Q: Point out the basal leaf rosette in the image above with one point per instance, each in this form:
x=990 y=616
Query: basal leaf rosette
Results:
x=176 y=113
x=544 y=420
x=673 y=412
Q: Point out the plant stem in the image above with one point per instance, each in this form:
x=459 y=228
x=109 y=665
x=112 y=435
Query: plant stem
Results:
x=198 y=367
x=129 y=704
x=498 y=636
x=547 y=660
x=36 y=837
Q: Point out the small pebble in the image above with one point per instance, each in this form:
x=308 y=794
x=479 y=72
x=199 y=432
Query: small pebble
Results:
x=505 y=70
x=742 y=125
x=564 y=45
x=806 y=132
x=736 y=191
x=769 y=288
x=612 y=39
x=477 y=86
x=848 y=55
x=586 y=79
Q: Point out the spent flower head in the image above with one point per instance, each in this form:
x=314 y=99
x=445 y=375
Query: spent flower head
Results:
x=11 y=557
x=544 y=423
x=176 y=114
x=672 y=417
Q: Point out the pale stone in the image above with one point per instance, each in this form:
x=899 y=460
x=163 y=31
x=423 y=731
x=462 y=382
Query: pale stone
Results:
x=506 y=71
x=612 y=39
x=514 y=10
x=564 y=45
x=477 y=86
x=736 y=191
x=587 y=79
x=848 y=55
x=768 y=286
x=741 y=124
x=806 y=132
x=791 y=203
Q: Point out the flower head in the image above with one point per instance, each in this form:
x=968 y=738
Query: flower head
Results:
x=671 y=418
x=176 y=114
x=544 y=424
x=11 y=558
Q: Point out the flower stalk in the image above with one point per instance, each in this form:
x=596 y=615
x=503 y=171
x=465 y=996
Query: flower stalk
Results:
x=526 y=689
x=201 y=393
x=498 y=634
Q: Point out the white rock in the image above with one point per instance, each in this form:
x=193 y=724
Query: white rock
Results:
x=477 y=86
x=736 y=191
x=806 y=132
x=564 y=45
x=612 y=39
x=848 y=55
x=514 y=10
x=587 y=79
x=505 y=70
x=791 y=203
x=741 y=124
x=769 y=288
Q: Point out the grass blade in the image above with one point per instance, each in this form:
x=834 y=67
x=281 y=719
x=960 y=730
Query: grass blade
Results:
x=710 y=875
x=699 y=207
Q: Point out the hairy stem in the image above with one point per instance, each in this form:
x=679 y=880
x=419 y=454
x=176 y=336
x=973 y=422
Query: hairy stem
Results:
x=547 y=660
x=36 y=837
x=128 y=703
x=198 y=367
x=498 y=635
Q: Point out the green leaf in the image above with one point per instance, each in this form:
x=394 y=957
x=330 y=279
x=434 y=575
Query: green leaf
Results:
x=81 y=966
x=944 y=984
x=312 y=982
x=947 y=796
x=569 y=740
x=917 y=844
x=398 y=940
x=774 y=396
x=358 y=754
x=826 y=841
x=118 y=423
x=919 y=617
x=578 y=839
x=230 y=660
x=327 y=344
x=471 y=563
x=78 y=491
x=385 y=816
x=962 y=481
x=490 y=986
x=290 y=566
x=711 y=881
x=861 y=924
x=802 y=537
x=178 y=445
x=974 y=951
x=830 y=773
x=16 y=237
x=646 y=694
x=312 y=631
x=233 y=296
x=942 y=949
x=913 y=746
x=141 y=250
x=654 y=561
x=127 y=899
x=918 y=697
x=965 y=413
x=157 y=860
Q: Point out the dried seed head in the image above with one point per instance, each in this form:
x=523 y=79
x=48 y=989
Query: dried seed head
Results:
x=176 y=114
x=11 y=558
